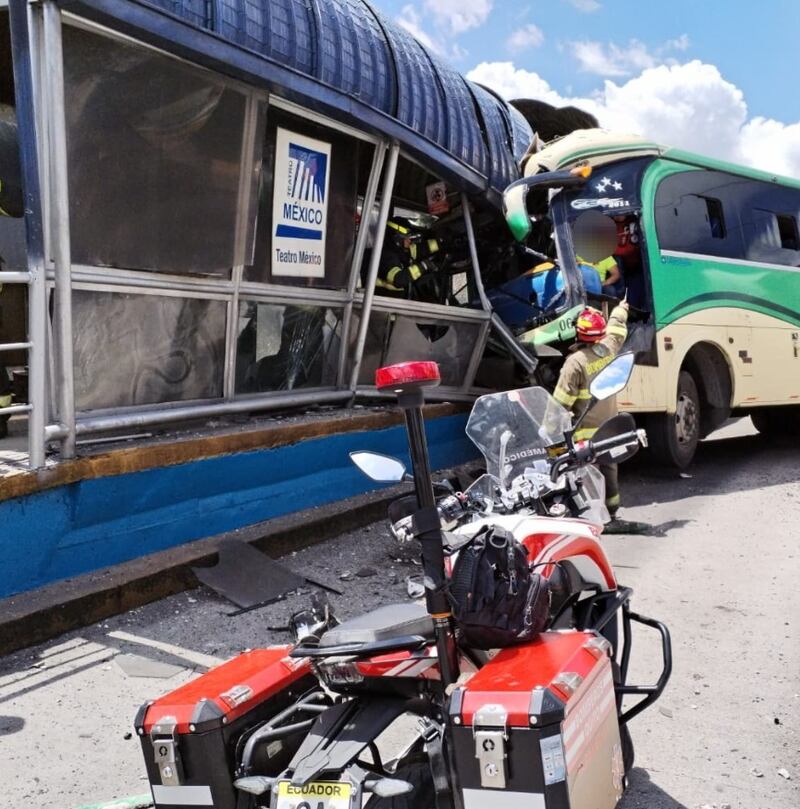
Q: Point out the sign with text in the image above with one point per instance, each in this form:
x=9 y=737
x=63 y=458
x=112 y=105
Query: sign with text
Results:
x=300 y=205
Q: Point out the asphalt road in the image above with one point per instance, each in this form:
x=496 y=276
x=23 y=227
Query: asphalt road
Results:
x=722 y=573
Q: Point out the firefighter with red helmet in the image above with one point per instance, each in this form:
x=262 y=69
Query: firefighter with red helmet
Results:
x=598 y=343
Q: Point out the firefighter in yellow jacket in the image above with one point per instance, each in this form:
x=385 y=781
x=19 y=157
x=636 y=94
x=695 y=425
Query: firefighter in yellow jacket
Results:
x=406 y=259
x=598 y=343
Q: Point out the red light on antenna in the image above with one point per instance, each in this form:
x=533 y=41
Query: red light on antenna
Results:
x=423 y=374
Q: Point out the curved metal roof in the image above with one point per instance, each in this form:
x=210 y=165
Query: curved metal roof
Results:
x=354 y=50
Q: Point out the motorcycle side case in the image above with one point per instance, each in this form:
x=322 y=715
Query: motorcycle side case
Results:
x=537 y=727
x=189 y=736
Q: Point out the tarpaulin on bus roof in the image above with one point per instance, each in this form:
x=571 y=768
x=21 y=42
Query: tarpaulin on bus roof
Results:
x=353 y=49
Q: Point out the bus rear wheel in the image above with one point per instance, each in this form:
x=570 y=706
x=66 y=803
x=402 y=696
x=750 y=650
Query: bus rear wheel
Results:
x=777 y=422
x=673 y=437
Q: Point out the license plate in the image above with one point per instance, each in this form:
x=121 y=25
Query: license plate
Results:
x=315 y=795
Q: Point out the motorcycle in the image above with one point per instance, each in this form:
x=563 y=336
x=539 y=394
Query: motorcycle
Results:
x=540 y=723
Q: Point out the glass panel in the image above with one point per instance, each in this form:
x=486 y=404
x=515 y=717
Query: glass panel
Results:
x=12 y=244
x=284 y=347
x=320 y=173
x=395 y=338
x=142 y=349
x=154 y=150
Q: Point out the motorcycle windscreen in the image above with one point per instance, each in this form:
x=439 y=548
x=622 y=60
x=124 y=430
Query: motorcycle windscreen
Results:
x=593 y=488
x=514 y=428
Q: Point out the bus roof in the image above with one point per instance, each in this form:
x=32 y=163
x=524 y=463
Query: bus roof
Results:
x=681 y=156
x=347 y=61
x=599 y=146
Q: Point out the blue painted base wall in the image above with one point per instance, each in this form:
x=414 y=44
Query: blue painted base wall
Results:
x=77 y=528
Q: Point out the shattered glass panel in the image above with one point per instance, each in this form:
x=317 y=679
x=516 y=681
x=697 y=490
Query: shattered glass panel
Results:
x=286 y=346
x=154 y=151
x=143 y=349
x=395 y=338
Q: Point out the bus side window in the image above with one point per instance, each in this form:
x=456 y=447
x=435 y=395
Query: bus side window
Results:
x=772 y=237
x=696 y=213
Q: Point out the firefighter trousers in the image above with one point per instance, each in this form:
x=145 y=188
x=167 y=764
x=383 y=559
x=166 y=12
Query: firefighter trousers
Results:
x=611 y=475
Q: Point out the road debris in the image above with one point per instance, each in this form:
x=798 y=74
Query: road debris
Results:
x=415 y=587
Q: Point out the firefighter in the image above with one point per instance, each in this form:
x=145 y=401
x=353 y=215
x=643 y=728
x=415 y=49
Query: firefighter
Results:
x=406 y=259
x=598 y=343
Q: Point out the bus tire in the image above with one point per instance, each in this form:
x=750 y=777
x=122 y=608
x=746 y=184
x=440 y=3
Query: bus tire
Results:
x=673 y=437
x=777 y=422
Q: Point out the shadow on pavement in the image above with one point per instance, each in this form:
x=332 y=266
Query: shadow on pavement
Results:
x=642 y=793
x=721 y=466
x=11 y=724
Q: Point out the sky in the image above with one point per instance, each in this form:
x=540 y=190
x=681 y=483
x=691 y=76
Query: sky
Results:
x=719 y=77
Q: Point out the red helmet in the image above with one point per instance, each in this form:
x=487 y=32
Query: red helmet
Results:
x=590 y=326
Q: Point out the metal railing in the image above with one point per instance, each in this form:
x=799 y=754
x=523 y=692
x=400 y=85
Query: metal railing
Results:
x=55 y=271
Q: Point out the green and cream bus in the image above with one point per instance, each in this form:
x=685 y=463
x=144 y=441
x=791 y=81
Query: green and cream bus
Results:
x=710 y=254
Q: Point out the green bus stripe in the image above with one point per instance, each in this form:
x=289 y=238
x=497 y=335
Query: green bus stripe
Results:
x=793 y=316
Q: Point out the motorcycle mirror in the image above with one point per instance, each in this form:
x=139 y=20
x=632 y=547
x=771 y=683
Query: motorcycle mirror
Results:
x=613 y=378
x=381 y=468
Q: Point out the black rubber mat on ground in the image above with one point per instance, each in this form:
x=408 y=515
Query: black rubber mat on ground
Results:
x=247 y=577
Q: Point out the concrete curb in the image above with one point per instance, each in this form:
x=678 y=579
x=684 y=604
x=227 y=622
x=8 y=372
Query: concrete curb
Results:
x=47 y=612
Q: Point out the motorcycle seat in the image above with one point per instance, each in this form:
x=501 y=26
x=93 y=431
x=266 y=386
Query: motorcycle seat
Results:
x=382 y=624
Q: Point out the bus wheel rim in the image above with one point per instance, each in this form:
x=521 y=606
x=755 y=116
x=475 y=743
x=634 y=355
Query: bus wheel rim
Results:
x=685 y=419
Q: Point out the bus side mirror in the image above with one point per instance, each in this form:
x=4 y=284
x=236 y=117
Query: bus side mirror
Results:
x=515 y=206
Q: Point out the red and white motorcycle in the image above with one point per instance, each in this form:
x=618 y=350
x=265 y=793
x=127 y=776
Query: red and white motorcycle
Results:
x=537 y=725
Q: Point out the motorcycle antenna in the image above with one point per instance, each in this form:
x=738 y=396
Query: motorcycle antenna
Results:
x=408 y=380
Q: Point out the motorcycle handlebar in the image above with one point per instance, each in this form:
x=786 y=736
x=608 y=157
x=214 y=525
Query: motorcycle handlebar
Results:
x=586 y=453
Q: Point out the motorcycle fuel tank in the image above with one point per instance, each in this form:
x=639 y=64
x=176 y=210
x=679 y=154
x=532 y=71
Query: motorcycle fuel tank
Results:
x=537 y=727
x=189 y=736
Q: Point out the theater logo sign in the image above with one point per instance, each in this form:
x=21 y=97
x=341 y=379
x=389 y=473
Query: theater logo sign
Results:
x=300 y=205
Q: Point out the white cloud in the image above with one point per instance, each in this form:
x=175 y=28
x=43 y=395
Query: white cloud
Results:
x=457 y=16
x=691 y=106
x=445 y=19
x=529 y=36
x=410 y=20
x=680 y=43
x=587 y=6
x=610 y=59
x=771 y=145
x=512 y=82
